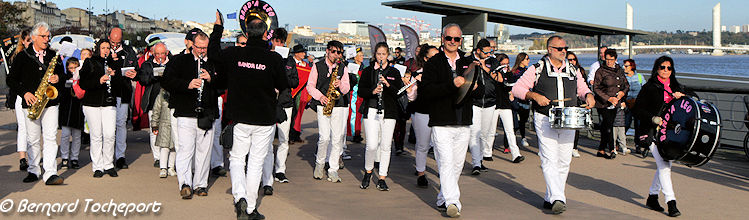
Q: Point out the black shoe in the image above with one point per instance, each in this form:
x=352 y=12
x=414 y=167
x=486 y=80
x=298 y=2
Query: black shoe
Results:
x=23 y=164
x=365 y=180
x=186 y=192
x=422 y=182
x=201 y=191
x=547 y=205
x=268 y=190
x=382 y=186
x=558 y=207
x=121 y=163
x=112 y=172
x=398 y=152
x=652 y=203
x=156 y=163
x=98 y=174
x=645 y=152
x=484 y=169
x=218 y=171
x=357 y=139
x=241 y=209
x=672 y=210
x=442 y=208
x=64 y=164
x=30 y=178
x=612 y=155
x=604 y=155
x=54 y=180
x=256 y=215
x=488 y=159
x=74 y=164
x=476 y=170
x=518 y=159
x=281 y=178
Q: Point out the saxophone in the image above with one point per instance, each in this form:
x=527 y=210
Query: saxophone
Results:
x=44 y=92
x=333 y=95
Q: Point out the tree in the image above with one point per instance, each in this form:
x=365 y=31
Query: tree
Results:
x=10 y=19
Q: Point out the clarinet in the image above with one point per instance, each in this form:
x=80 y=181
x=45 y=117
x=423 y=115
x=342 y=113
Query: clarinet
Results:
x=379 y=94
x=109 y=83
x=199 y=108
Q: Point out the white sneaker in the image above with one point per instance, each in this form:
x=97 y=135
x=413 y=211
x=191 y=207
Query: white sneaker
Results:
x=575 y=154
x=333 y=177
x=625 y=151
x=524 y=142
x=171 y=171
x=162 y=173
x=345 y=156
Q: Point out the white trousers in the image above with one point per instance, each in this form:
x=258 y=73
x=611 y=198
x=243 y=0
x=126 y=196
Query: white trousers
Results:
x=451 y=143
x=332 y=130
x=379 y=133
x=101 y=127
x=555 y=151
x=121 y=132
x=45 y=127
x=217 y=151
x=507 y=125
x=283 y=139
x=21 y=138
x=155 y=150
x=194 y=149
x=166 y=158
x=482 y=133
x=662 y=178
x=423 y=137
x=68 y=151
x=255 y=141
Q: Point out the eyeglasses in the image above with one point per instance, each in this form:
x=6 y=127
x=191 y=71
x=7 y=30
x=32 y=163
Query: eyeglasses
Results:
x=626 y=65
x=487 y=52
x=560 y=48
x=670 y=68
x=456 y=39
x=336 y=51
x=614 y=59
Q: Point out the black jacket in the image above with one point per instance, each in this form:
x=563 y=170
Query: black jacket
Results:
x=152 y=85
x=440 y=93
x=177 y=76
x=649 y=104
x=26 y=73
x=127 y=57
x=284 y=97
x=368 y=83
x=251 y=74
x=486 y=92
x=96 y=93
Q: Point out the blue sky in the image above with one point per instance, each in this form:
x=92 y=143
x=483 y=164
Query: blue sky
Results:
x=650 y=15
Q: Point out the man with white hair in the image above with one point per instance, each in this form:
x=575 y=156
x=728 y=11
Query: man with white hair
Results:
x=26 y=74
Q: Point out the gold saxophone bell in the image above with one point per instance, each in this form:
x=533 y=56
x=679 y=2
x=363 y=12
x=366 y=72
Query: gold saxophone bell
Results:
x=51 y=92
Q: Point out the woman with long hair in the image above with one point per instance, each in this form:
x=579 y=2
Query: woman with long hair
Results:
x=14 y=101
x=504 y=109
x=99 y=78
x=572 y=59
x=420 y=115
x=378 y=87
x=520 y=107
x=661 y=88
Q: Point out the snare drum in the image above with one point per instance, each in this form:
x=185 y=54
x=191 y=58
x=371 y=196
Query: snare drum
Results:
x=690 y=131
x=569 y=118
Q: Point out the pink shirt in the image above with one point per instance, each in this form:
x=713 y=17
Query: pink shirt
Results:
x=528 y=80
x=312 y=81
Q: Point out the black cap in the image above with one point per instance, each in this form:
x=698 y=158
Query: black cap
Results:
x=191 y=34
x=483 y=43
x=298 y=49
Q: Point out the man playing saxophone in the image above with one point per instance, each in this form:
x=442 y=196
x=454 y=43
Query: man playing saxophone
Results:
x=332 y=127
x=25 y=78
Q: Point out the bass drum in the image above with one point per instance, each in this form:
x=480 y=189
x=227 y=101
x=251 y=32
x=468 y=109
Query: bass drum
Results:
x=690 y=131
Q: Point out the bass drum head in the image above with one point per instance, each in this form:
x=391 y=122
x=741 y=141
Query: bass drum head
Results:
x=676 y=134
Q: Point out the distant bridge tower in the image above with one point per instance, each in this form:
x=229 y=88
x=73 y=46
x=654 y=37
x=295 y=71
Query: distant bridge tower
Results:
x=716 y=31
x=630 y=25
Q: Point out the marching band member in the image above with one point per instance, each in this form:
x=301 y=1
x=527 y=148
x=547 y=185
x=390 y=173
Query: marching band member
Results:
x=300 y=94
x=332 y=128
x=420 y=116
x=251 y=74
x=484 y=123
x=286 y=103
x=379 y=86
x=443 y=75
x=99 y=79
x=26 y=74
x=193 y=96
x=71 y=118
x=554 y=145
x=128 y=58
x=14 y=102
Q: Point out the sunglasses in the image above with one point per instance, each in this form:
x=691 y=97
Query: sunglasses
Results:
x=670 y=68
x=489 y=52
x=571 y=60
x=456 y=39
x=336 y=51
x=560 y=48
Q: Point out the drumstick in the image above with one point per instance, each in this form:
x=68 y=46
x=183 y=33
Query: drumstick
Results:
x=562 y=100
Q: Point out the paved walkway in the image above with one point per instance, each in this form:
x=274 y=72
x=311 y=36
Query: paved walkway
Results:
x=596 y=189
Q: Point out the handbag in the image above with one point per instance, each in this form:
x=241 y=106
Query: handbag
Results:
x=226 y=138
